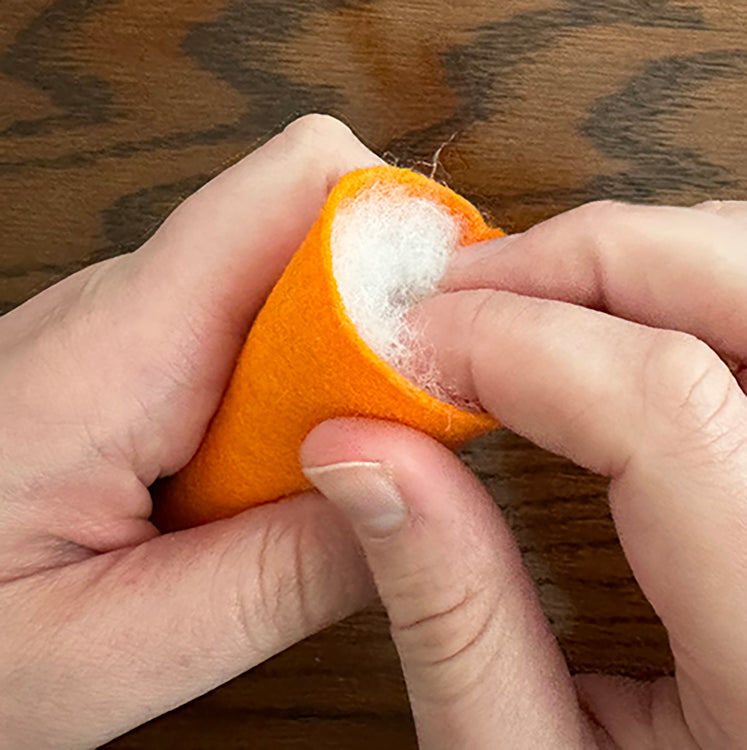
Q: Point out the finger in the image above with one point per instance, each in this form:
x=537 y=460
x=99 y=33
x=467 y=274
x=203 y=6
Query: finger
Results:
x=94 y=649
x=658 y=412
x=122 y=365
x=481 y=666
x=633 y=714
x=226 y=245
x=736 y=210
x=193 y=290
x=672 y=268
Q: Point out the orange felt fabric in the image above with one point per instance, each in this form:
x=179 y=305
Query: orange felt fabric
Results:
x=303 y=362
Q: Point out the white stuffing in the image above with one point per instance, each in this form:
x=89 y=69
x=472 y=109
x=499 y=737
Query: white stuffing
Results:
x=389 y=250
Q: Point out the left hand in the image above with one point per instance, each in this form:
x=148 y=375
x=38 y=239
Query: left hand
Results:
x=107 y=381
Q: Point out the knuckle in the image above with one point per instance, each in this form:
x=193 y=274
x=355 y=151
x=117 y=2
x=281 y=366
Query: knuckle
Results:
x=687 y=379
x=714 y=206
x=602 y=223
x=263 y=585
x=284 y=590
x=728 y=208
x=315 y=132
x=449 y=632
x=601 y=213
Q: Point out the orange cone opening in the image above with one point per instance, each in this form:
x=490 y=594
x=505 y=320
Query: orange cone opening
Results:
x=304 y=362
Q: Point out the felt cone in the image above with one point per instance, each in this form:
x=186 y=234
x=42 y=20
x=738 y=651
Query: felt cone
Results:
x=302 y=363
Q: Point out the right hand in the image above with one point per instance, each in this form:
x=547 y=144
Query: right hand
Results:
x=604 y=344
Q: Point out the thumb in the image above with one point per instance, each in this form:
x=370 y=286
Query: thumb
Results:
x=482 y=668
x=94 y=649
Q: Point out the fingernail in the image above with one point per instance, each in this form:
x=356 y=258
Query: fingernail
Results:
x=365 y=492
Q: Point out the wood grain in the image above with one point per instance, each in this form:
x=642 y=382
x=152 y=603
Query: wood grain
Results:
x=114 y=110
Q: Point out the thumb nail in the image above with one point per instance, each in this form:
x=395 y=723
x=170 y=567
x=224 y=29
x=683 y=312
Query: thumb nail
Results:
x=365 y=492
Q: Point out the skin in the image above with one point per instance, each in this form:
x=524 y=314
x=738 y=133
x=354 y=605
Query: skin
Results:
x=597 y=335
x=108 y=381
x=614 y=318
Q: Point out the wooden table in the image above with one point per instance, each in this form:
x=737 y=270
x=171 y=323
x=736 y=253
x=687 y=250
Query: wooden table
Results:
x=114 y=110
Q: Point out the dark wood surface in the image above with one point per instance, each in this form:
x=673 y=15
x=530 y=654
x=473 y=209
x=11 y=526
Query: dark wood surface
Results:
x=113 y=110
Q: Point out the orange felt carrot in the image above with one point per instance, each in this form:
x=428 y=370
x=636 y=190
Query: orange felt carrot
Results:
x=304 y=362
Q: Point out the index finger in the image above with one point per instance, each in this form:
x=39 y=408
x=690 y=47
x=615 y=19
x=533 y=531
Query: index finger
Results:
x=228 y=243
x=676 y=268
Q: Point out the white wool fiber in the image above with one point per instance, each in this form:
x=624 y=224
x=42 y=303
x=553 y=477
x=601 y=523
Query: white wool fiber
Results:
x=389 y=250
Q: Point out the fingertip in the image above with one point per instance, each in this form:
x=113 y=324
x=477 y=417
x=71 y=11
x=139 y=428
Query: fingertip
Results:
x=359 y=439
x=329 y=442
x=433 y=480
x=352 y=439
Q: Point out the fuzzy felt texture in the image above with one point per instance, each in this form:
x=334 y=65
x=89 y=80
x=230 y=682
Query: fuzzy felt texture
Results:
x=305 y=361
x=389 y=250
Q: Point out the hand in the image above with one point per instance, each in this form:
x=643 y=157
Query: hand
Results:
x=603 y=345
x=107 y=381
